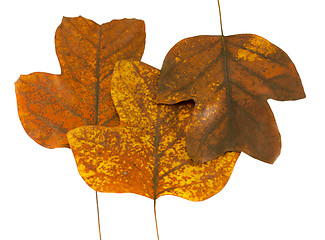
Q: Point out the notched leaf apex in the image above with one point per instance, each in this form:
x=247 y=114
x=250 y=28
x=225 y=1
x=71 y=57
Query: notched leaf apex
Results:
x=50 y=105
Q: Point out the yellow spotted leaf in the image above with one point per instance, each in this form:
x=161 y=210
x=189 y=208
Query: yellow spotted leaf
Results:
x=146 y=153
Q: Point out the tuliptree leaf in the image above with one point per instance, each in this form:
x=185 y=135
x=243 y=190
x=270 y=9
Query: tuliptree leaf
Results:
x=230 y=79
x=51 y=105
x=146 y=154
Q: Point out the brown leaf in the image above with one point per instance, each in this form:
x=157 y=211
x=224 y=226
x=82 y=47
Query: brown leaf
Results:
x=51 y=105
x=146 y=154
x=230 y=79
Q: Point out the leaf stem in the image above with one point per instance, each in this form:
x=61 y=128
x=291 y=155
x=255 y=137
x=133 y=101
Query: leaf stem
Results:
x=154 y=209
x=220 y=19
x=100 y=235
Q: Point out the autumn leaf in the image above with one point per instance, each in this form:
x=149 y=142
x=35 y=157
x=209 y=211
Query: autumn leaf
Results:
x=51 y=105
x=146 y=154
x=230 y=79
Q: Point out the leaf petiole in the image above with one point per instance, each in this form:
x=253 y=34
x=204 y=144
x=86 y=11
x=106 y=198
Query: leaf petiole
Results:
x=154 y=209
x=100 y=235
x=220 y=18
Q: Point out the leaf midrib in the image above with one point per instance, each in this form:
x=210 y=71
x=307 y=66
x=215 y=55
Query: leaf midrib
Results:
x=97 y=72
x=155 y=177
x=228 y=91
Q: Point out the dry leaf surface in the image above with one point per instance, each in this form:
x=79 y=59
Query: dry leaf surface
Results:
x=51 y=105
x=146 y=154
x=230 y=79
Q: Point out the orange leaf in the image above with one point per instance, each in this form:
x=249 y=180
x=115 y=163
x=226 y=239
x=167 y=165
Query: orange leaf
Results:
x=51 y=105
x=146 y=154
x=230 y=79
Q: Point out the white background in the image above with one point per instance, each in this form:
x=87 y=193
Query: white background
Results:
x=42 y=195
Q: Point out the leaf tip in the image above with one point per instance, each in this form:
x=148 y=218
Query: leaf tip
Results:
x=301 y=93
x=65 y=19
x=16 y=83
